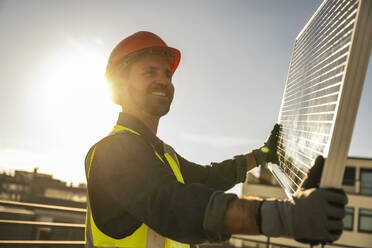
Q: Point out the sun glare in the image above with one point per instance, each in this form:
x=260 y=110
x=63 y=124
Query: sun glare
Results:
x=76 y=102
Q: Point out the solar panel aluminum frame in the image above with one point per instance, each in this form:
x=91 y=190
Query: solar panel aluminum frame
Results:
x=348 y=99
x=352 y=87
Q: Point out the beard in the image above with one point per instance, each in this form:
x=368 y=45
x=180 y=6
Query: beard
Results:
x=151 y=104
x=156 y=107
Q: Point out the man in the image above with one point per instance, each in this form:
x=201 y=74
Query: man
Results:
x=143 y=194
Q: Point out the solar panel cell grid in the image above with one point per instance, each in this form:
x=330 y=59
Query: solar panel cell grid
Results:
x=313 y=90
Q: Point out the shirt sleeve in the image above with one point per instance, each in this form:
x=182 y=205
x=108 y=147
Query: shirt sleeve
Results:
x=129 y=185
x=219 y=176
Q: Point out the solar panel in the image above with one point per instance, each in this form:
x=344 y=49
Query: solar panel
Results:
x=322 y=92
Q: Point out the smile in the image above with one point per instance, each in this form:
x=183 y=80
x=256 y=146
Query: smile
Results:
x=159 y=93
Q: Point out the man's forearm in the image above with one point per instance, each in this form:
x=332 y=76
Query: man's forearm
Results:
x=251 y=161
x=241 y=216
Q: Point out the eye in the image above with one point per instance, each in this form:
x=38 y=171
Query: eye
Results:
x=169 y=74
x=149 y=73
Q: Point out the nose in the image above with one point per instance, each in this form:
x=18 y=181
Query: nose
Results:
x=164 y=79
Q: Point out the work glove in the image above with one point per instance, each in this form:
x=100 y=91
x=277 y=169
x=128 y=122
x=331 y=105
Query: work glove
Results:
x=313 y=215
x=268 y=152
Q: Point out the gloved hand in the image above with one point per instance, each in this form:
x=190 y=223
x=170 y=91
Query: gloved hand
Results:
x=313 y=215
x=268 y=152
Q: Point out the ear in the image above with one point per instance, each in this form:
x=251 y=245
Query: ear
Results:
x=115 y=97
x=116 y=100
x=117 y=89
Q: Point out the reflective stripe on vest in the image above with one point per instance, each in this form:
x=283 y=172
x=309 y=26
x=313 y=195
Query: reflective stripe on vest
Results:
x=144 y=236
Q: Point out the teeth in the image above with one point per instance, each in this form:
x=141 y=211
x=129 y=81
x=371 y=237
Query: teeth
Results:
x=159 y=93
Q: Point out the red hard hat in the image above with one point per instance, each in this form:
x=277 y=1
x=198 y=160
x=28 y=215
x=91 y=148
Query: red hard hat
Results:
x=139 y=41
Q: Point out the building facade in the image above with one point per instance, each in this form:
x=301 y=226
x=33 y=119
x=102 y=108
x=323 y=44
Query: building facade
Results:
x=25 y=221
x=357 y=182
x=41 y=188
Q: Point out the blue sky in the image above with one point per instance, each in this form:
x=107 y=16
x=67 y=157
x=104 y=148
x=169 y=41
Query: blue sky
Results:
x=54 y=103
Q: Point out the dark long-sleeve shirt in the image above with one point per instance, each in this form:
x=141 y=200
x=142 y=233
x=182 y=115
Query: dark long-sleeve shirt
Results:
x=128 y=185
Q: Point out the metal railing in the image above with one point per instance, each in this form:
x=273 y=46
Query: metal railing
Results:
x=31 y=225
x=269 y=243
x=33 y=228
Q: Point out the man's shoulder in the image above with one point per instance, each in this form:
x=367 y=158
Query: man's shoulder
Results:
x=116 y=148
x=110 y=142
x=119 y=140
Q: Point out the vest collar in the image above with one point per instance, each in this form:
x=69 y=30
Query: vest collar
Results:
x=135 y=124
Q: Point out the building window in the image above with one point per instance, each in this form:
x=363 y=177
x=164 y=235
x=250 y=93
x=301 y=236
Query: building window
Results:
x=366 y=181
x=349 y=219
x=365 y=220
x=348 y=182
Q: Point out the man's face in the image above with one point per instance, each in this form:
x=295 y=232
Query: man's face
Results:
x=149 y=85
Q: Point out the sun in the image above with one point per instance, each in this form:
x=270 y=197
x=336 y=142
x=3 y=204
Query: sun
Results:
x=76 y=104
x=75 y=86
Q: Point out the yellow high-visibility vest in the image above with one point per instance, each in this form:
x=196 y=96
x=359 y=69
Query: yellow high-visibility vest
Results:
x=144 y=236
